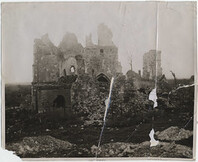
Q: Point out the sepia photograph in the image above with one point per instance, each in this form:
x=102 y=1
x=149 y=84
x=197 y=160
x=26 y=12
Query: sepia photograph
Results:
x=99 y=79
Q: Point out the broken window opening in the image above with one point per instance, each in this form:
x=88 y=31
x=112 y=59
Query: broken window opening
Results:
x=72 y=69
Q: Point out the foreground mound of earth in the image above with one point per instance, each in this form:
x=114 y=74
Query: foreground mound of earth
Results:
x=168 y=147
x=45 y=146
x=174 y=134
x=163 y=149
x=48 y=146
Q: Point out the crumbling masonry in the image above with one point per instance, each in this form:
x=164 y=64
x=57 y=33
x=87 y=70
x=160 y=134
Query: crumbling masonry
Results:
x=55 y=69
x=66 y=76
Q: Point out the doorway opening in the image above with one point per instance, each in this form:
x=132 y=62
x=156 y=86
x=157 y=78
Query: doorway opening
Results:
x=59 y=101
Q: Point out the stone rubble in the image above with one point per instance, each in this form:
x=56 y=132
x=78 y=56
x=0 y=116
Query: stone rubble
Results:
x=174 y=134
x=163 y=149
x=34 y=145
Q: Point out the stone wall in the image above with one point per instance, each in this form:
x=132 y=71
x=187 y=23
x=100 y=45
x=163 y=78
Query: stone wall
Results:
x=70 y=45
x=56 y=100
x=45 y=67
x=93 y=66
x=67 y=65
x=101 y=59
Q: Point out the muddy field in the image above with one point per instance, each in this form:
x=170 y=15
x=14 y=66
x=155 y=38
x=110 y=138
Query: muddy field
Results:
x=36 y=135
x=84 y=137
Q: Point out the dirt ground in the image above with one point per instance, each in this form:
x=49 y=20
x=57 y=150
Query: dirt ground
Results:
x=25 y=131
x=84 y=137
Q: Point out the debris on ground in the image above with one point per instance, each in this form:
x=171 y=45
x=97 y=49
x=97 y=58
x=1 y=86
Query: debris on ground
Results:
x=34 y=145
x=174 y=134
x=163 y=149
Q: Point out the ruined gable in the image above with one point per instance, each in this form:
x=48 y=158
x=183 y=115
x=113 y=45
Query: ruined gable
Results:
x=69 y=44
x=104 y=36
x=45 y=67
x=71 y=62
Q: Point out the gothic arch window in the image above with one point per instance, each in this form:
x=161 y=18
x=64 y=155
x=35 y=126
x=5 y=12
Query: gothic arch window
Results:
x=102 y=78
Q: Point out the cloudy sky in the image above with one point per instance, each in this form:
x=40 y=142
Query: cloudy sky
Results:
x=134 y=26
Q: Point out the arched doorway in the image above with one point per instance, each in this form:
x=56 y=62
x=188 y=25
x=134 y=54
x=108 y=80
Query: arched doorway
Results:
x=103 y=82
x=59 y=101
x=102 y=78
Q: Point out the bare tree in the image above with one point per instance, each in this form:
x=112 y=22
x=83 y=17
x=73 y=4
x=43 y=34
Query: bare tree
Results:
x=174 y=77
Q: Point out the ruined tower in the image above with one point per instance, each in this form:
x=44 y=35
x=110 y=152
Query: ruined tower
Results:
x=89 y=42
x=104 y=36
x=102 y=59
x=151 y=63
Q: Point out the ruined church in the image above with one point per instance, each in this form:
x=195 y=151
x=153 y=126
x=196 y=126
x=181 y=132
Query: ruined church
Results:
x=55 y=69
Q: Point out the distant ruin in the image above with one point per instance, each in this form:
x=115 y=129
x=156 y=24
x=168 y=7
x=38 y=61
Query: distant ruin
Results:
x=151 y=62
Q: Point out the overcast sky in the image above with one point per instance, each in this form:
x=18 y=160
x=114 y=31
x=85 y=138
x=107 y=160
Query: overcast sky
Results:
x=133 y=25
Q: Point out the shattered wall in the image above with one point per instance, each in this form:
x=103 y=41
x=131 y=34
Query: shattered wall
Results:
x=89 y=42
x=70 y=58
x=102 y=60
x=70 y=45
x=104 y=36
x=103 y=57
x=48 y=98
x=45 y=67
x=71 y=61
x=46 y=70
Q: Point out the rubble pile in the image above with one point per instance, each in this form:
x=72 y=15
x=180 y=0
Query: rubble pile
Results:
x=90 y=103
x=163 y=149
x=46 y=146
x=34 y=145
x=182 y=98
x=174 y=134
x=126 y=100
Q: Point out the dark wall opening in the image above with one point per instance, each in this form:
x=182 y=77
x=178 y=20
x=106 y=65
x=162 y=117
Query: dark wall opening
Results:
x=92 y=71
x=103 y=78
x=59 y=101
x=64 y=72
